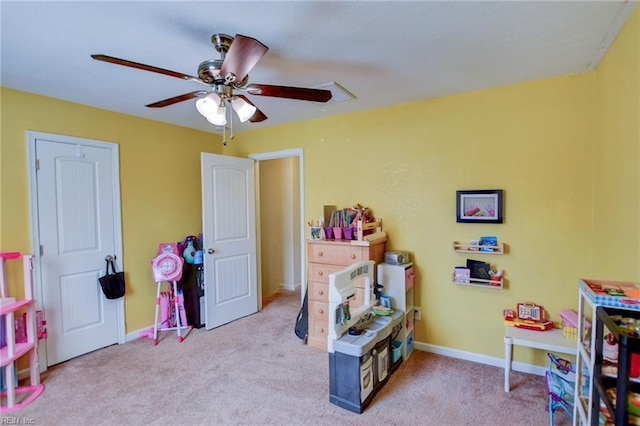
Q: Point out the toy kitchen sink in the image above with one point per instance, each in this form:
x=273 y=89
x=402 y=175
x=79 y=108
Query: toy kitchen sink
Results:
x=372 y=331
x=359 y=343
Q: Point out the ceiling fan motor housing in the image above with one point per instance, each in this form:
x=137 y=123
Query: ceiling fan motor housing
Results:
x=209 y=71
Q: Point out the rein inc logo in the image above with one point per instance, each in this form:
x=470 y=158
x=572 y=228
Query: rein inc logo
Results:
x=16 y=420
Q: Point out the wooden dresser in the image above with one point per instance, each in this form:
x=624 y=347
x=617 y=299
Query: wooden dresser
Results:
x=323 y=258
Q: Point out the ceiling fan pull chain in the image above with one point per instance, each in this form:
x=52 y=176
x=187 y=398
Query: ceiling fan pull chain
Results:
x=231 y=135
x=224 y=135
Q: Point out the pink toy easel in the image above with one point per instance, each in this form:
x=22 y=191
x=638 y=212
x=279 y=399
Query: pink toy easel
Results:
x=167 y=267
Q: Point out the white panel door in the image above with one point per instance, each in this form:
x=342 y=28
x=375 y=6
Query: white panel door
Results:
x=229 y=234
x=75 y=196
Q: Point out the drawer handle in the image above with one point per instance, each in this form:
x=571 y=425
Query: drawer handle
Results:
x=320 y=273
x=353 y=256
x=320 y=253
x=321 y=311
x=320 y=292
x=321 y=330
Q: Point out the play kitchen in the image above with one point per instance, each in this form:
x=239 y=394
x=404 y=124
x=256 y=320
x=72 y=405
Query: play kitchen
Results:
x=362 y=345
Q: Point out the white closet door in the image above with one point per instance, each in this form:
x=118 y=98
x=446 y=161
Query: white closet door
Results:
x=76 y=221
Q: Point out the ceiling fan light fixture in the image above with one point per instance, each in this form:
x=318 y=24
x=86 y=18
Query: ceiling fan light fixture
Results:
x=219 y=116
x=208 y=105
x=243 y=108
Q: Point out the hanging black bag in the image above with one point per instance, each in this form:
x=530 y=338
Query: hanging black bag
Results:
x=302 y=321
x=112 y=283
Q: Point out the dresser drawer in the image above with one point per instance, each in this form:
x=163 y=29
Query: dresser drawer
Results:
x=319 y=311
x=318 y=320
x=343 y=254
x=319 y=272
x=318 y=292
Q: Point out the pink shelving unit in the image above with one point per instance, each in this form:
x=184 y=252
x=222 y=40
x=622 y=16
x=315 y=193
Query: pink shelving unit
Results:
x=13 y=350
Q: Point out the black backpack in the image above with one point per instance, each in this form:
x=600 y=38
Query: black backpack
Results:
x=302 y=322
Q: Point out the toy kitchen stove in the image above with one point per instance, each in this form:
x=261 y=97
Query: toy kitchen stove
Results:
x=359 y=340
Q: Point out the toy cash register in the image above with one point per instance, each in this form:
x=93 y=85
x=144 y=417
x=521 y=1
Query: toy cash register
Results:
x=527 y=315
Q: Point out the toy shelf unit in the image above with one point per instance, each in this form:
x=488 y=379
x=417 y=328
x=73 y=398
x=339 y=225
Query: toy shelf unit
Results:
x=398 y=283
x=613 y=410
x=591 y=385
x=13 y=350
x=477 y=248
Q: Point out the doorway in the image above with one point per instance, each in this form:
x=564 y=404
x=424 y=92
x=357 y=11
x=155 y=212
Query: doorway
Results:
x=281 y=221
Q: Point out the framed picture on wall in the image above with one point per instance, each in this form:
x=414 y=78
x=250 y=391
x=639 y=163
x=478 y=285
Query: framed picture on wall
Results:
x=479 y=206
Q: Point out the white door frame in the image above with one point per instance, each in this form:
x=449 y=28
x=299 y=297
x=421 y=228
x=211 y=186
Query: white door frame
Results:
x=287 y=153
x=35 y=232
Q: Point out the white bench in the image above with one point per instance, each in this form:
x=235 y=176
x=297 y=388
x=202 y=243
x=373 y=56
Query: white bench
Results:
x=550 y=340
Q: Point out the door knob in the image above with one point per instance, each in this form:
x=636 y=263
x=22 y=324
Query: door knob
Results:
x=210 y=251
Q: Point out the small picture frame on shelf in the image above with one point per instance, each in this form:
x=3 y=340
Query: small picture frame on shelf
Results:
x=479 y=206
x=316 y=233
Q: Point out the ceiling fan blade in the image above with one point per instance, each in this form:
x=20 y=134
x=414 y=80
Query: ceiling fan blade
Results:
x=257 y=116
x=118 y=61
x=301 y=93
x=244 y=54
x=176 y=99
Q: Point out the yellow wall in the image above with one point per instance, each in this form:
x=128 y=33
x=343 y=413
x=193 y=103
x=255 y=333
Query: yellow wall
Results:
x=565 y=151
x=616 y=237
x=533 y=140
x=154 y=158
x=275 y=223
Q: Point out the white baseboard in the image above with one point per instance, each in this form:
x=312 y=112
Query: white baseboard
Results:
x=289 y=286
x=479 y=358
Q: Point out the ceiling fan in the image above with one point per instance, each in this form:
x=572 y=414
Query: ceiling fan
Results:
x=224 y=77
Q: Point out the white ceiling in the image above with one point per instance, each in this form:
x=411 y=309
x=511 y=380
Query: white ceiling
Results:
x=385 y=53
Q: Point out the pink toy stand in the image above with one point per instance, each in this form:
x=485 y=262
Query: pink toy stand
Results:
x=167 y=267
x=13 y=349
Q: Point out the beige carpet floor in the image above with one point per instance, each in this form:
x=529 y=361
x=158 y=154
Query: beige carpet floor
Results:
x=255 y=371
